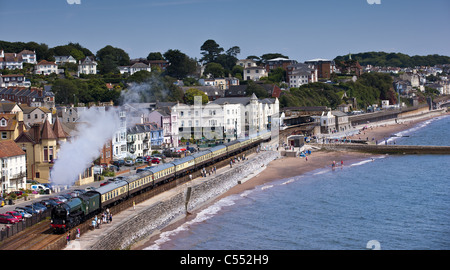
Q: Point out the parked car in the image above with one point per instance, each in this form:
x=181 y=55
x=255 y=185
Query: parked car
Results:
x=107 y=182
x=5 y=218
x=143 y=169
x=39 y=208
x=24 y=213
x=119 y=162
x=49 y=203
x=140 y=160
x=15 y=214
x=156 y=160
x=27 y=209
x=129 y=162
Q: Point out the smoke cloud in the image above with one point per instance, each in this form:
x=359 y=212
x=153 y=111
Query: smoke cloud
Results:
x=95 y=129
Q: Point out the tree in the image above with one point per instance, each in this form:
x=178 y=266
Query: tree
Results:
x=269 y=56
x=191 y=93
x=110 y=58
x=180 y=64
x=65 y=91
x=210 y=51
x=155 y=56
x=215 y=70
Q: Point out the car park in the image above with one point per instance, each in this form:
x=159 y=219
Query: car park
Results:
x=5 y=218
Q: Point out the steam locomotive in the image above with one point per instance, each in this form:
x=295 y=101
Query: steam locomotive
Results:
x=68 y=215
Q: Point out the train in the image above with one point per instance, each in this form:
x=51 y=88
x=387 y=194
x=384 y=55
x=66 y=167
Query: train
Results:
x=77 y=210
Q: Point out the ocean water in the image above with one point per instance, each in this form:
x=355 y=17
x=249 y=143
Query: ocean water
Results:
x=388 y=202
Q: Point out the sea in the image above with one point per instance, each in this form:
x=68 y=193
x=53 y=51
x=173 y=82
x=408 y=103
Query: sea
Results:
x=387 y=202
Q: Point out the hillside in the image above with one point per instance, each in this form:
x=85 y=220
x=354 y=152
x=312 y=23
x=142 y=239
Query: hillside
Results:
x=385 y=59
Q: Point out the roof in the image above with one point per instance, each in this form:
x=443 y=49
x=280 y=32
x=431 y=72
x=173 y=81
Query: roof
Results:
x=232 y=100
x=160 y=167
x=45 y=62
x=8 y=148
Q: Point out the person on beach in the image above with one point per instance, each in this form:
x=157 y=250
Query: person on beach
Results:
x=68 y=237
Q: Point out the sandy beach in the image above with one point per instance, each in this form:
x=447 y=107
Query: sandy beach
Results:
x=286 y=167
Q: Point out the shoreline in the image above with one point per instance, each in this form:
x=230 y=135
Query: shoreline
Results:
x=286 y=167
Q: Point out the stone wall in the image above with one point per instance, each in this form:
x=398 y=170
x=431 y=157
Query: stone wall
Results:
x=186 y=197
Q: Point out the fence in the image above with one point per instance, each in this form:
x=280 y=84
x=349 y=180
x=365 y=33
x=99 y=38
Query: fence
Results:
x=12 y=229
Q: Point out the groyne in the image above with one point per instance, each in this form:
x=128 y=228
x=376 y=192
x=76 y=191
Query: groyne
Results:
x=177 y=203
x=386 y=149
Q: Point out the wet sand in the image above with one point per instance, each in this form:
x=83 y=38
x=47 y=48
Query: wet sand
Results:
x=286 y=167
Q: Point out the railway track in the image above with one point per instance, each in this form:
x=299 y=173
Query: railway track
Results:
x=36 y=237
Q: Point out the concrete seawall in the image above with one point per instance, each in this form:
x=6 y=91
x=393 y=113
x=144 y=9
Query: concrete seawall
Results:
x=387 y=149
x=164 y=208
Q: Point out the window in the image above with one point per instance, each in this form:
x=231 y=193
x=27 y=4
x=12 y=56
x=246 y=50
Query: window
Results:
x=3 y=123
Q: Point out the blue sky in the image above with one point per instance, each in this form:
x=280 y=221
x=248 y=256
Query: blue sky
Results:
x=300 y=29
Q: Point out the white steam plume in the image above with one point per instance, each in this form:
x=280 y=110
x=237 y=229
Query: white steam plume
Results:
x=95 y=129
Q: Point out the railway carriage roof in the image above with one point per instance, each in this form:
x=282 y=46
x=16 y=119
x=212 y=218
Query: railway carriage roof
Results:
x=160 y=167
x=111 y=186
x=182 y=160
x=202 y=153
x=218 y=147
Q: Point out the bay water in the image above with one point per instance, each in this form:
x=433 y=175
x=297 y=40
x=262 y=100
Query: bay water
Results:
x=397 y=202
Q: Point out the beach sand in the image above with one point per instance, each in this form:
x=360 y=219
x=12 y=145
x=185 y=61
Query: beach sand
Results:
x=286 y=167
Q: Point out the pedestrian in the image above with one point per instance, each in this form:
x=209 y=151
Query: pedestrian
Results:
x=306 y=158
x=68 y=237
x=110 y=217
x=134 y=205
x=78 y=232
x=342 y=163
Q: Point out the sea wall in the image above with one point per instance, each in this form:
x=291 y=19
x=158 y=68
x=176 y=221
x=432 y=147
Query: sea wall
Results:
x=387 y=149
x=187 y=197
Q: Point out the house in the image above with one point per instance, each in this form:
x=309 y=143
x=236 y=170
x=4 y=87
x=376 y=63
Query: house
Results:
x=254 y=73
x=246 y=63
x=279 y=62
x=41 y=143
x=87 y=66
x=13 y=167
x=324 y=67
x=28 y=56
x=134 y=68
x=14 y=80
x=60 y=60
x=161 y=64
x=164 y=118
x=334 y=122
x=10 y=60
x=32 y=115
x=45 y=67
x=299 y=74
x=11 y=125
x=138 y=140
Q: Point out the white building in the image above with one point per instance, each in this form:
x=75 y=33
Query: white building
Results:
x=87 y=66
x=246 y=63
x=45 y=67
x=28 y=56
x=299 y=74
x=254 y=73
x=134 y=68
x=65 y=59
x=13 y=80
x=13 y=167
x=139 y=140
x=34 y=115
x=226 y=118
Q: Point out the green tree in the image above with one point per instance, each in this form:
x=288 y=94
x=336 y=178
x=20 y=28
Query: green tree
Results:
x=210 y=51
x=214 y=69
x=110 y=58
x=65 y=91
x=180 y=64
x=193 y=92
x=155 y=56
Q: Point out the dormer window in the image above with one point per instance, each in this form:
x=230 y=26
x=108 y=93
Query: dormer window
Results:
x=3 y=123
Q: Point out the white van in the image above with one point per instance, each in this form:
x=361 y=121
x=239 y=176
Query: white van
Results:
x=39 y=187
